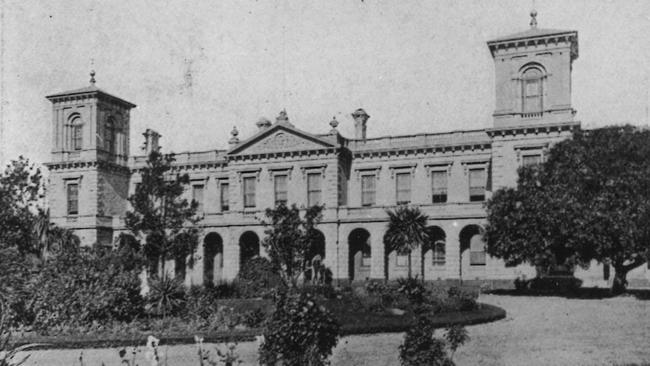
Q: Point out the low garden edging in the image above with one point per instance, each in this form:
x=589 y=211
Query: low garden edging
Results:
x=484 y=314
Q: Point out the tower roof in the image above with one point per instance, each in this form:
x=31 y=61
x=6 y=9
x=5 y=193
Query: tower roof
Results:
x=90 y=91
x=535 y=35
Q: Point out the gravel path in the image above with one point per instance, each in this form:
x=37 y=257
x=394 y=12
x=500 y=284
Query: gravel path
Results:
x=537 y=331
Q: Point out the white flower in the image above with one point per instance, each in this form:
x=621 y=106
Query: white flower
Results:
x=151 y=354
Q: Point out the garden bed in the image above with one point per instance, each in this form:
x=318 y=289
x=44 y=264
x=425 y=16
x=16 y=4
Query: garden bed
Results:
x=351 y=323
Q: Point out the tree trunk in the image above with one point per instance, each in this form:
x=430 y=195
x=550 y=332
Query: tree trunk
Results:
x=619 y=283
x=409 y=254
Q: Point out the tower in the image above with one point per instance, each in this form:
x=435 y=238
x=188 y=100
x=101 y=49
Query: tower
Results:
x=533 y=76
x=89 y=178
x=533 y=97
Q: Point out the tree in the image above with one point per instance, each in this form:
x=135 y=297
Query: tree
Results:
x=407 y=230
x=163 y=220
x=589 y=201
x=20 y=193
x=290 y=238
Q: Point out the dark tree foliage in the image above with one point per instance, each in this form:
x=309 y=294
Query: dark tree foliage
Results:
x=20 y=193
x=164 y=222
x=420 y=347
x=407 y=231
x=290 y=238
x=588 y=201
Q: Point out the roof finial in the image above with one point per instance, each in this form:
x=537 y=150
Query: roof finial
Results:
x=533 y=19
x=92 y=77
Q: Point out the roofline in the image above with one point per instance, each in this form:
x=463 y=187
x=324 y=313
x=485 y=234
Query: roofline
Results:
x=98 y=92
x=510 y=38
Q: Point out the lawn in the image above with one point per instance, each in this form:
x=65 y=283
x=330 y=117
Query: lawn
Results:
x=537 y=331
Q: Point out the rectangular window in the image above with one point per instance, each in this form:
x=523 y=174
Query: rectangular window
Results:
x=402 y=260
x=439 y=253
x=249 y=191
x=313 y=189
x=197 y=195
x=280 y=189
x=403 y=182
x=224 y=197
x=477 y=251
x=531 y=159
x=533 y=95
x=477 y=182
x=368 y=190
x=366 y=258
x=438 y=186
x=73 y=199
x=76 y=137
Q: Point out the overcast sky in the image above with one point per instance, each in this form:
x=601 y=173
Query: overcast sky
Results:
x=197 y=68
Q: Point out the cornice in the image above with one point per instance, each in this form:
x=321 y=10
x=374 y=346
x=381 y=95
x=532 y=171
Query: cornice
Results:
x=532 y=129
x=283 y=154
x=545 y=39
x=63 y=165
x=472 y=146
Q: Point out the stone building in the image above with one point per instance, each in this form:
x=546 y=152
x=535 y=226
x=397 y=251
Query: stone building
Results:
x=448 y=175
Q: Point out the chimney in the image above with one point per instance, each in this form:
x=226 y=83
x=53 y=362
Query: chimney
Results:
x=360 y=118
x=151 y=138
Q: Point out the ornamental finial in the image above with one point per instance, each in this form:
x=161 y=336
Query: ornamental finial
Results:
x=533 y=19
x=92 y=77
x=334 y=123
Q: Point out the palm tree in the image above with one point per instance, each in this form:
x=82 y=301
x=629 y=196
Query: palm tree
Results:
x=406 y=231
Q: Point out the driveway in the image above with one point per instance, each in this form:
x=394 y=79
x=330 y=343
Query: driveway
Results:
x=537 y=331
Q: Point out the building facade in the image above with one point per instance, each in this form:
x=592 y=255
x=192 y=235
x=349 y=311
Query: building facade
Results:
x=448 y=175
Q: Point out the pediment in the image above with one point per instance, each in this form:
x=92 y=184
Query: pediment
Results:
x=280 y=138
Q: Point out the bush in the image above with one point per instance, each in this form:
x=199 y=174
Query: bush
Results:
x=413 y=289
x=166 y=296
x=555 y=284
x=459 y=300
x=14 y=273
x=79 y=288
x=299 y=332
x=258 y=278
x=421 y=348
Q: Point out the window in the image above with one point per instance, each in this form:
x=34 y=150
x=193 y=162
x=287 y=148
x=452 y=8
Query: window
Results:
x=224 y=197
x=439 y=253
x=197 y=195
x=439 y=186
x=280 y=189
x=368 y=190
x=249 y=191
x=532 y=90
x=477 y=251
x=531 y=159
x=109 y=138
x=403 y=182
x=477 y=180
x=313 y=189
x=402 y=259
x=366 y=258
x=77 y=136
x=73 y=198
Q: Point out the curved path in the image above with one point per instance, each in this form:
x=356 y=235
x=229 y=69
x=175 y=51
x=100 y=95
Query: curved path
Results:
x=536 y=331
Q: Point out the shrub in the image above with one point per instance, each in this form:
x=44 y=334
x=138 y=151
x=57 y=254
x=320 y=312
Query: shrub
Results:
x=299 y=332
x=421 y=348
x=79 y=288
x=253 y=318
x=413 y=289
x=14 y=272
x=258 y=278
x=459 y=300
x=166 y=296
x=555 y=284
x=325 y=291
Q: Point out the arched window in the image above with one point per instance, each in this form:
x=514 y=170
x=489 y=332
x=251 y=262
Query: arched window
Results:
x=109 y=135
x=75 y=132
x=532 y=90
x=477 y=250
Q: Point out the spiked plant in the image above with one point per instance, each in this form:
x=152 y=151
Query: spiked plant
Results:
x=407 y=230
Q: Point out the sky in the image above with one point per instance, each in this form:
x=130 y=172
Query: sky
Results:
x=196 y=69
